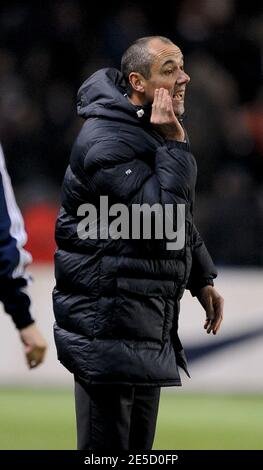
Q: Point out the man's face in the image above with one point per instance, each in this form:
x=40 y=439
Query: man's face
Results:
x=167 y=71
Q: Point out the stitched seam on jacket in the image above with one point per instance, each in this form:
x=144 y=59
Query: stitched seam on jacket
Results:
x=98 y=299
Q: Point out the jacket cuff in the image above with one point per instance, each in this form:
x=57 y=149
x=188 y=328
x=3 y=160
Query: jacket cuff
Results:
x=22 y=320
x=17 y=304
x=195 y=289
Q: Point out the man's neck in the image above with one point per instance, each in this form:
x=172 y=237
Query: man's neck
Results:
x=136 y=100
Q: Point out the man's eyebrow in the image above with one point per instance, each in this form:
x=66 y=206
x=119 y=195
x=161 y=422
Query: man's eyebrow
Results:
x=171 y=62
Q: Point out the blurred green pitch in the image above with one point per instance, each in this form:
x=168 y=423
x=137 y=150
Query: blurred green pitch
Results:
x=44 y=419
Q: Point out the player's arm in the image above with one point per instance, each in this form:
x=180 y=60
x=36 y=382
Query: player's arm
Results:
x=13 y=261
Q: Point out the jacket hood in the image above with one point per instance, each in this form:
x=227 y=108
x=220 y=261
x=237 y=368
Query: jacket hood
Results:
x=104 y=94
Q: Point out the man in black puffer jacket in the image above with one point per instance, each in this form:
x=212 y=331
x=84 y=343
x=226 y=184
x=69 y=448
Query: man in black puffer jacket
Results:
x=116 y=300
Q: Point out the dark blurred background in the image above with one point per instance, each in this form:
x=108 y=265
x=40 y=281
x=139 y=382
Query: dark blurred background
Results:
x=48 y=49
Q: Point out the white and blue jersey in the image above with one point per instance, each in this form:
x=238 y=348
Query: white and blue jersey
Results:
x=13 y=257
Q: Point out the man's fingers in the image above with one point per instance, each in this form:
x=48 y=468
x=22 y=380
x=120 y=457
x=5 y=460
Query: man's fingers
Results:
x=213 y=324
x=156 y=106
x=219 y=307
x=160 y=99
x=217 y=326
x=155 y=100
x=169 y=104
x=210 y=326
x=215 y=318
x=166 y=102
x=159 y=106
x=32 y=360
x=35 y=359
x=35 y=356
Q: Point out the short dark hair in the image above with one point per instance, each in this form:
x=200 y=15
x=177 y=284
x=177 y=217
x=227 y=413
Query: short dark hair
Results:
x=138 y=58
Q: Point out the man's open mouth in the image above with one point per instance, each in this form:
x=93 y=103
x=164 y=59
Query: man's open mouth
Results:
x=179 y=95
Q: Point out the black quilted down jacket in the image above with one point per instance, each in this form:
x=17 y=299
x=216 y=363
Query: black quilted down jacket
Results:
x=116 y=301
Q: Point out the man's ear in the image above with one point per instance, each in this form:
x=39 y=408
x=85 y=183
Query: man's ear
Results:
x=137 y=82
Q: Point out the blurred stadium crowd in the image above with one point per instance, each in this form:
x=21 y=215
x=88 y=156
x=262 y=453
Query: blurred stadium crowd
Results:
x=49 y=48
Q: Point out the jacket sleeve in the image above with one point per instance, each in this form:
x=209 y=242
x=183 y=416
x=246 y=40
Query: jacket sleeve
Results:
x=113 y=170
x=203 y=269
x=13 y=258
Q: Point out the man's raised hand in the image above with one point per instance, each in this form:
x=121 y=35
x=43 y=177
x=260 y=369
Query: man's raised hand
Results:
x=163 y=117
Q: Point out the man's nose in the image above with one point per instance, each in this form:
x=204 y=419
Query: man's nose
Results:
x=183 y=77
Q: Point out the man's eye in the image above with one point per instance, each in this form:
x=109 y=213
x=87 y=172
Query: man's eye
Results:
x=168 y=72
